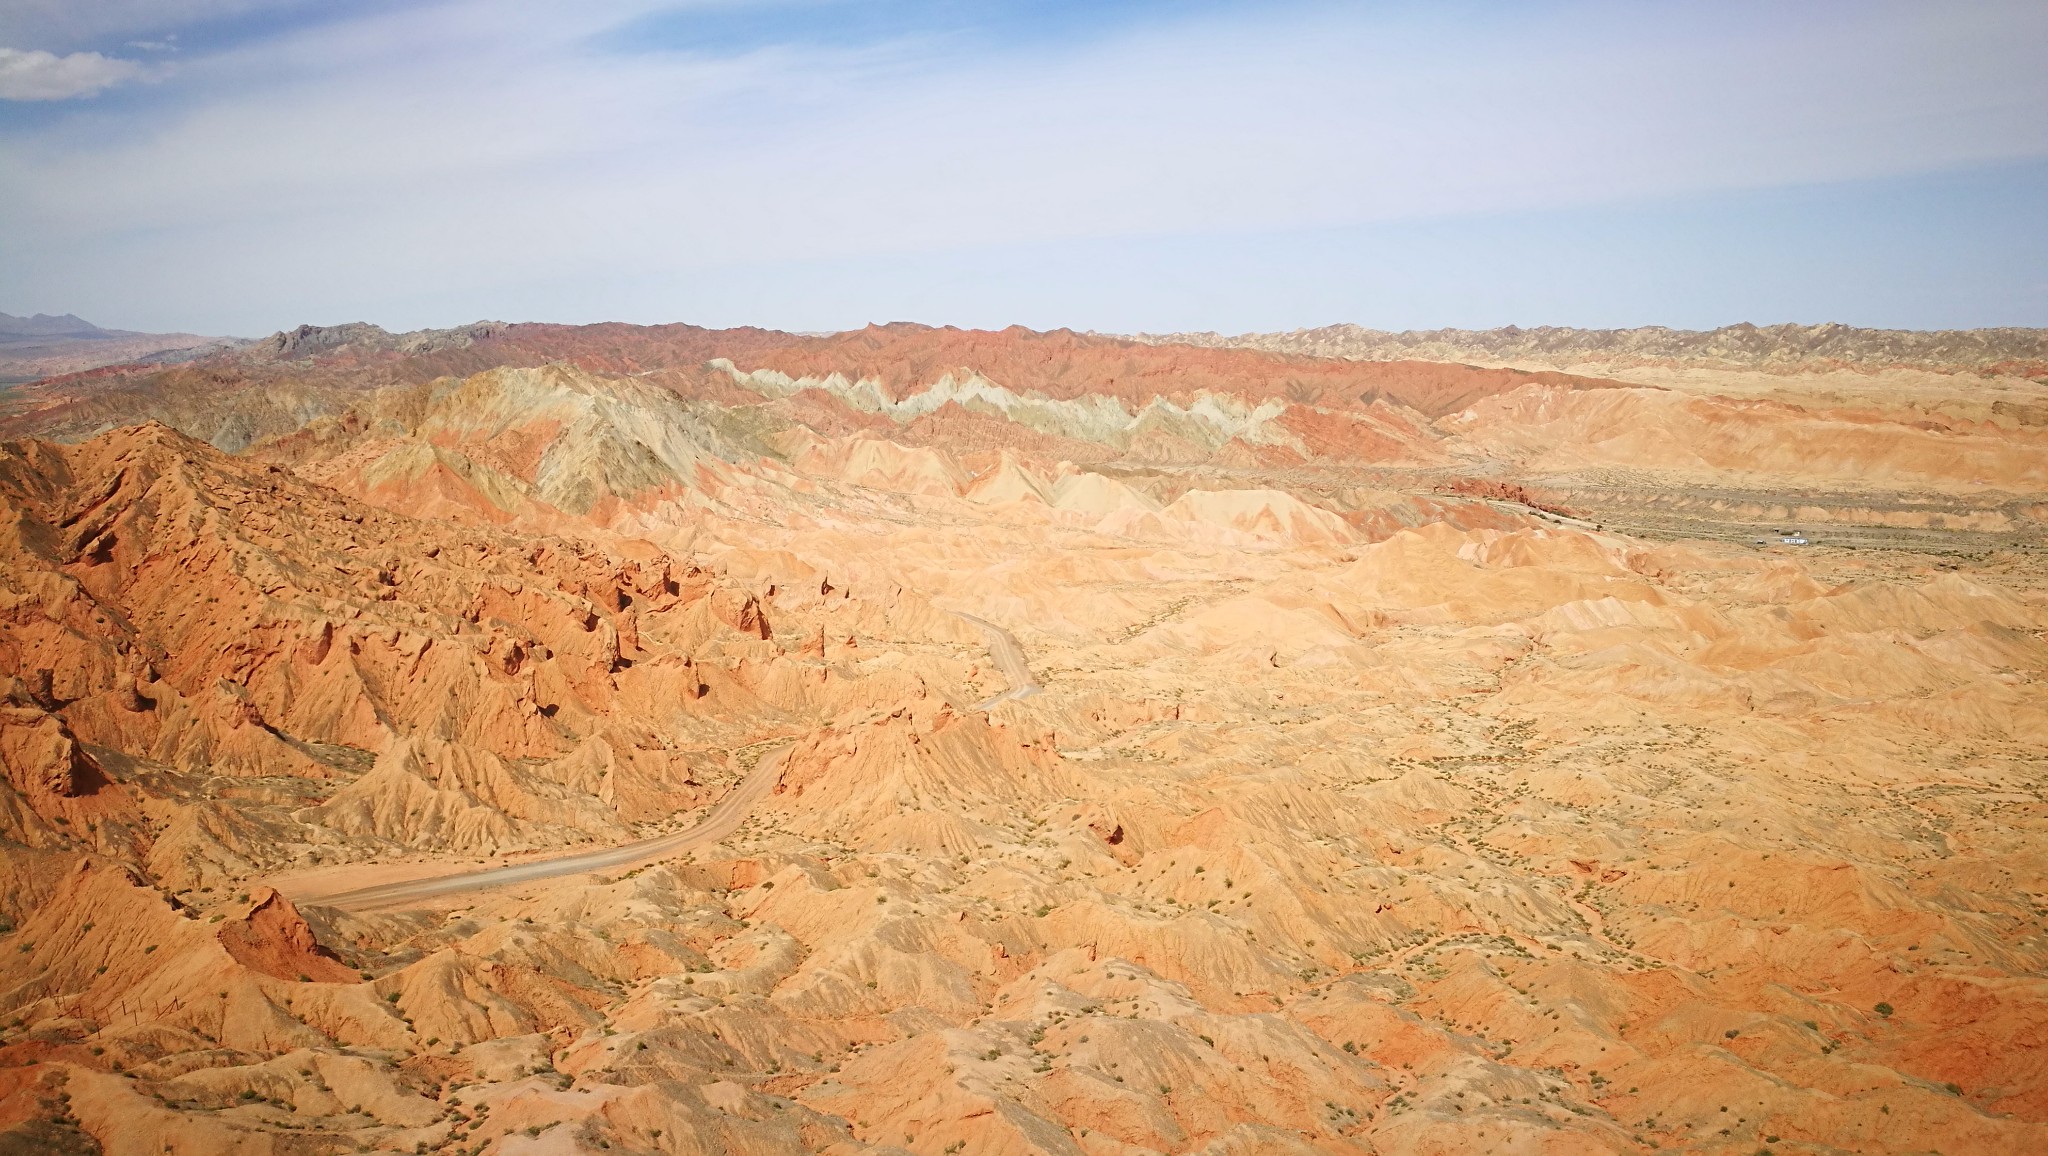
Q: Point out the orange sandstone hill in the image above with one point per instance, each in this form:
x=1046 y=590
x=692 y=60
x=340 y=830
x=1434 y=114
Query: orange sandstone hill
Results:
x=550 y=739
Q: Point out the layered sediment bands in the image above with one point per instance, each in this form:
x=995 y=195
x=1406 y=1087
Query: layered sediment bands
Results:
x=1778 y=348
x=1372 y=793
x=273 y=387
x=898 y=360
x=532 y=425
x=1553 y=431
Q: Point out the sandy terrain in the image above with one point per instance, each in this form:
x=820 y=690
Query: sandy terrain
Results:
x=940 y=754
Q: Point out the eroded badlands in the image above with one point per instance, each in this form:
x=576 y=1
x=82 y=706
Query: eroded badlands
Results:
x=1395 y=780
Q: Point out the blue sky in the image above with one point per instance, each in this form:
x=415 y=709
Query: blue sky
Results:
x=244 y=165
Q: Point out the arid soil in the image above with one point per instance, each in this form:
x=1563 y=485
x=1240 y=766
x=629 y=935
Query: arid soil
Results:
x=1769 y=348
x=1158 y=749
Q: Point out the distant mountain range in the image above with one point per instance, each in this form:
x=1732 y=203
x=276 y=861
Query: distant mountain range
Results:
x=42 y=325
x=1773 y=348
x=45 y=345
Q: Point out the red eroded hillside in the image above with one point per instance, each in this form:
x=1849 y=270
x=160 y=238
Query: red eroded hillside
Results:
x=1064 y=364
x=302 y=370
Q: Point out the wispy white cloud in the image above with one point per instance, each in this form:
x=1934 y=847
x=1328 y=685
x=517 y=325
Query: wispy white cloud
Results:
x=89 y=23
x=38 y=75
x=459 y=147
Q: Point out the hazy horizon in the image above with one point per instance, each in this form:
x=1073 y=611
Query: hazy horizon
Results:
x=237 y=166
x=257 y=336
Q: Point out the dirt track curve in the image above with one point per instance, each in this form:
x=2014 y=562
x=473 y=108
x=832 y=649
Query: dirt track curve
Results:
x=723 y=819
x=1007 y=654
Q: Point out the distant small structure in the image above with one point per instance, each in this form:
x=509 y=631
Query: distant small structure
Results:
x=1793 y=540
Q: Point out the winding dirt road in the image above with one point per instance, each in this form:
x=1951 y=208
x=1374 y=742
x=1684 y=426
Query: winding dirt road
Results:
x=723 y=819
x=1009 y=656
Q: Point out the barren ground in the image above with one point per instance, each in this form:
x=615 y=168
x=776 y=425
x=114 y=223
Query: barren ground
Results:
x=1420 y=764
